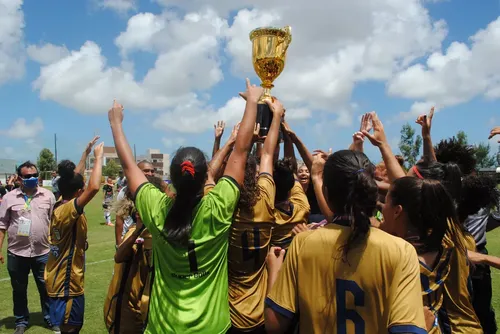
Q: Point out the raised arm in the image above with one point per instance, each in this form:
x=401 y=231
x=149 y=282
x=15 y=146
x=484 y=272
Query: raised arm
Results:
x=219 y=131
x=235 y=167
x=358 y=138
x=125 y=249
x=215 y=165
x=317 y=179
x=80 y=168
x=288 y=147
x=303 y=151
x=135 y=177
x=378 y=138
x=426 y=122
x=95 y=179
x=267 y=158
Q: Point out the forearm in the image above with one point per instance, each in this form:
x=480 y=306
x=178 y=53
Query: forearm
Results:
x=356 y=146
x=245 y=133
x=218 y=159
x=118 y=230
x=95 y=177
x=125 y=250
x=216 y=146
x=394 y=170
x=318 y=191
x=303 y=151
x=2 y=236
x=429 y=153
x=272 y=137
x=123 y=149
x=289 y=151
x=271 y=279
x=80 y=168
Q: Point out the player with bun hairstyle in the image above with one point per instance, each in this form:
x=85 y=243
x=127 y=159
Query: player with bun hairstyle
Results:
x=346 y=277
x=64 y=272
x=190 y=232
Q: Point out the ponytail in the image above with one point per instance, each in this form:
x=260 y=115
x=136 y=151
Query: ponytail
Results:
x=188 y=171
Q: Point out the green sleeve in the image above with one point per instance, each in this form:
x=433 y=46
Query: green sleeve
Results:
x=152 y=205
x=223 y=199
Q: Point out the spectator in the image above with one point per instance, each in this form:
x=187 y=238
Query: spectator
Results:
x=25 y=214
x=55 y=185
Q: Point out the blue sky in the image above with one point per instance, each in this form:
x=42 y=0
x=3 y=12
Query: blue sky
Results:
x=178 y=66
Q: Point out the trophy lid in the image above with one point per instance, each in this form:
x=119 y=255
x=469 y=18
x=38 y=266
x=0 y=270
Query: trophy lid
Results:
x=272 y=31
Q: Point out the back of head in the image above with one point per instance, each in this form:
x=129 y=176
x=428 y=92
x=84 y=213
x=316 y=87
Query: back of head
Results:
x=284 y=178
x=428 y=207
x=449 y=174
x=69 y=182
x=126 y=206
x=188 y=172
x=478 y=192
x=350 y=187
x=452 y=150
x=250 y=191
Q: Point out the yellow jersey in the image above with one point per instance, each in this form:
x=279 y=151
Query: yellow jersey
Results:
x=286 y=219
x=64 y=272
x=457 y=314
x=249 y=242
x=432 y=281
x=122 y=307
x=375 y=290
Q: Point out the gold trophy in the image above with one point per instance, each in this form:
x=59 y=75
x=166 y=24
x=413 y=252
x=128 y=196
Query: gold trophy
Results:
x=269 y=47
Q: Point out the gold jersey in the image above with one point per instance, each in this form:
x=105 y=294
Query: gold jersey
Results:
x=286 y=219
x=376 y=289
x=249 y=242
x=64 y=272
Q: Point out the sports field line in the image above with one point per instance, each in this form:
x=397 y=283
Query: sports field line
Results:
x=87 y=264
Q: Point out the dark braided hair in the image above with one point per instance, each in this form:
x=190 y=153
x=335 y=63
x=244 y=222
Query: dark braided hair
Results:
x=451 y=150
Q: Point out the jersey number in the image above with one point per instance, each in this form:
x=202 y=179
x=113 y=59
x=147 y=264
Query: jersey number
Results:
x=251 y=253
x=344 y=314
x=193 y=262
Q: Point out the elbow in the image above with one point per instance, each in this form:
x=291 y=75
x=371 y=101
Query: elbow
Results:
x=272 y=323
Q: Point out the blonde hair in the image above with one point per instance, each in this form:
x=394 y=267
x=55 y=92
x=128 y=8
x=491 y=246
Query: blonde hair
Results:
x=123 y=207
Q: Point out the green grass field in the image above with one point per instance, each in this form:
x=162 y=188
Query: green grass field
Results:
x=99 y=271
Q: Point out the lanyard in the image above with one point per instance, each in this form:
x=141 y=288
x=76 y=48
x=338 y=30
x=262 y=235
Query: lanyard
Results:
x=27 y=202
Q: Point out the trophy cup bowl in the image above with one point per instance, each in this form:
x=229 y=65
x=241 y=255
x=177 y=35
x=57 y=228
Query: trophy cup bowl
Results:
x=269 y=46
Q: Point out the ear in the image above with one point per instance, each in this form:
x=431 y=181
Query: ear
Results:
x=398 y=211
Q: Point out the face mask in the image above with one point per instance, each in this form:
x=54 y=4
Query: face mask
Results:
x=30 y=183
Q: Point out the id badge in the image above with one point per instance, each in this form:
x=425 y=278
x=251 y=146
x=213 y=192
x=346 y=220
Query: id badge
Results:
x=24 y=227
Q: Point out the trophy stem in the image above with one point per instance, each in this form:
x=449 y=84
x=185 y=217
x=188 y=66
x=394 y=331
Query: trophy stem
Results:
x=266 y=94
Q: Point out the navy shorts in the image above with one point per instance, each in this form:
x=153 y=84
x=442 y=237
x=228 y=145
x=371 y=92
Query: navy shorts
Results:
x=67 y=311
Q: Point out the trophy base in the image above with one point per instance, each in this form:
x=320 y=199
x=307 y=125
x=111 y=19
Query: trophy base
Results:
x=265 y=118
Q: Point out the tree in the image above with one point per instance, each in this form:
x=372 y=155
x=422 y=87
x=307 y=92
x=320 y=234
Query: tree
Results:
x=462 y=138
x=111 y=169
x=409 y=145
x=46 y=161
x=483 y=158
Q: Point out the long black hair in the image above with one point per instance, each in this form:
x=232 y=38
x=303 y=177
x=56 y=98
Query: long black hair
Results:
x=69 y=182
x=188 y=172
x=452 y=150
x=349 y=184
x=431 y=211
x=250 y=191
x=284 y=178
x=478 y=192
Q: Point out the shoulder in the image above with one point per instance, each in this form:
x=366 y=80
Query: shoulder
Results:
x=12 y=195
x=45 y=191
x=396 y=248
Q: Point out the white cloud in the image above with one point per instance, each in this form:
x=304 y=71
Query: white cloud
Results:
x=23 y=130
x=173 y=142
x=335 y=46
x=12 y=56
x=120 y=6
x=457 y=75
x=47 y=53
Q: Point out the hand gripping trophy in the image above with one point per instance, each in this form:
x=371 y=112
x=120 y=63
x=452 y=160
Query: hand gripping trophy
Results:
x=269 y=46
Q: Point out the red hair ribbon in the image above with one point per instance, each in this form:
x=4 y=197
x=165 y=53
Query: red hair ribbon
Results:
x=187 y=166
x=415 y=170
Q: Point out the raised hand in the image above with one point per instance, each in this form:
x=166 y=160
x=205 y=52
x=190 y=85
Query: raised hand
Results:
x=234 y=133
x=253 y=93
x=319 y=160
x=378 y=137
x=91 y=144
x=256 y=132
x=115 y=114
x=99 y=150
x=286 y=128
x=366 y=123
x=426 y=122
x=495 y=131
x=358 y=138
x=276 y=107
x=299 y=228
x=219 y=129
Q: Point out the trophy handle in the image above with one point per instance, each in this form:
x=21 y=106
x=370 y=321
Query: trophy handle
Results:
x=287 y=39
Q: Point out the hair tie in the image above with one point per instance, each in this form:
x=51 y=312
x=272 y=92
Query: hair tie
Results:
x=415 y=170
x=359 y=171
x=187 y=166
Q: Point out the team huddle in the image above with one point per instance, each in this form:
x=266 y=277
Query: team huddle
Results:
x=249 y=242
